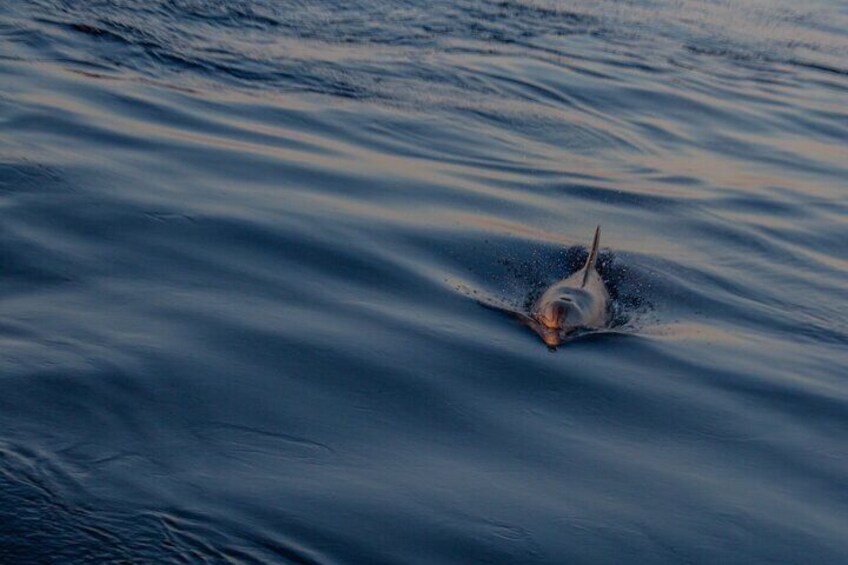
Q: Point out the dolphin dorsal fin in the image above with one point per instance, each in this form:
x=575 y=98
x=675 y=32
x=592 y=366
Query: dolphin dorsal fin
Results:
x=593 y=257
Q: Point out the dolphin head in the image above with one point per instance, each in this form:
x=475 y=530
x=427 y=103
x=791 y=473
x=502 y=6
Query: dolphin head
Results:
x=564 y=312
x=552 y=314
x=558 y=316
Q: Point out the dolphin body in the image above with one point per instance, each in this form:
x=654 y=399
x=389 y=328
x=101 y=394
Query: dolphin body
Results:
x=575 y=303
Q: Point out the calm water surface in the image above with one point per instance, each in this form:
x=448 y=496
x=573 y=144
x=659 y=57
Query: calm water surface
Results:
x=242 y=244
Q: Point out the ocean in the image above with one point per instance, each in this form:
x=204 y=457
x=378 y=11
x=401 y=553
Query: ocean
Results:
x=244 y=246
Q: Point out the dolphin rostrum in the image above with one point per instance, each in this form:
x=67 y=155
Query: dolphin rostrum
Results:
x=574 y=303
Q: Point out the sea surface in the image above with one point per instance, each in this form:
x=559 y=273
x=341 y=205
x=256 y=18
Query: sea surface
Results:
x=244 y=246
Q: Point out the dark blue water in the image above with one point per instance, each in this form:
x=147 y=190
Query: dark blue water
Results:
x=242 y=244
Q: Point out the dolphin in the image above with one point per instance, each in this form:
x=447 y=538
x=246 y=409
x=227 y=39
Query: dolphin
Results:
x=578 y=302
x=574 y=304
